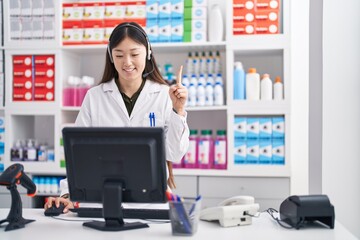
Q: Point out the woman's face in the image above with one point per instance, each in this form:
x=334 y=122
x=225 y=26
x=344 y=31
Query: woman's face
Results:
x=129 y=60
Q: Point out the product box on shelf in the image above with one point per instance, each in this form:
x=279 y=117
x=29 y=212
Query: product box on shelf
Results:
x=93 y=32
x=93 y=11
x=255 y=17
x=152 y=9
x=164 y=9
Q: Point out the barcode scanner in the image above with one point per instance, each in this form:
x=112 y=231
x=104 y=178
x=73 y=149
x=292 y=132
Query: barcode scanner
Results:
x=10 y=178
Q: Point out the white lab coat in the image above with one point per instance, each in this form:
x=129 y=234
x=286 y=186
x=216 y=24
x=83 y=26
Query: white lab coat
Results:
x=103 y=105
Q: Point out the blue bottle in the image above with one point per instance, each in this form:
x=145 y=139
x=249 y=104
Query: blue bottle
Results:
x=239 y=81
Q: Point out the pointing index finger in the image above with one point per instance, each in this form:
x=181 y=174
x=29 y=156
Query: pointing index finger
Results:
x=179 y=76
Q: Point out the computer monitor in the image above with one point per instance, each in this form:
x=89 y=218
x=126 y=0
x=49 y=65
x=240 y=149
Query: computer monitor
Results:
x=113 y=165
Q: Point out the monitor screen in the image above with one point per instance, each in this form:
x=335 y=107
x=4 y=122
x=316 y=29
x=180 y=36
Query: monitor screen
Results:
x=113 y=165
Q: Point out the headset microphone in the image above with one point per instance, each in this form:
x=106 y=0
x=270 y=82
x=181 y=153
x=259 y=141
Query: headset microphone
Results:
x=148 y=73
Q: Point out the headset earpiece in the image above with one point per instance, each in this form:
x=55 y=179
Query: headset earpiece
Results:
x=109 y=51
x=149 y=52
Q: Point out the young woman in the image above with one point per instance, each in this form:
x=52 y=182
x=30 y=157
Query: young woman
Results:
x=131 y=88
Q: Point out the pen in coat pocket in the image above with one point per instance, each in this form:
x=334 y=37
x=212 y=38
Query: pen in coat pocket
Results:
x=152 y=119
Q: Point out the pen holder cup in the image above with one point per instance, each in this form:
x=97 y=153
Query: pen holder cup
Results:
x=184 y=216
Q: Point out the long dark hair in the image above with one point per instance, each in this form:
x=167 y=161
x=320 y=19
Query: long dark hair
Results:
x=136 y=33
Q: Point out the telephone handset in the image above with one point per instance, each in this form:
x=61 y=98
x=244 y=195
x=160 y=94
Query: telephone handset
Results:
x=237 y=200
x=234 y=211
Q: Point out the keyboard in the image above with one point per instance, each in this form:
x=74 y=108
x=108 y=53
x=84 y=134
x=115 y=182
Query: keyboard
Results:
x=137 y=213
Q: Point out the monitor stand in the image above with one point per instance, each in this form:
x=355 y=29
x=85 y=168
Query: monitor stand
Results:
x=112 y=211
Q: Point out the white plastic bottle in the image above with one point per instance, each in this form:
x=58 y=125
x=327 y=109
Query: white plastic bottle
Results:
x=196 y=64
x=209 y=94
x=217 y=63
x=203 y=65
x=219 y=78
x=210 y=79
x=185 y=81
x=218 y=94
x=278 y=89
x=192 y=95
x=266 y=88
x=239 y=81
x=202 y=79
x=200 y=95
x=210 y=63
x=215 y=24
x=252 y=85
x=189 y=64
x=193 y=80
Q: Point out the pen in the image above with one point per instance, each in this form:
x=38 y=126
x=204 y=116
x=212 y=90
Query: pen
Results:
x=198 y=198
x=150 y=118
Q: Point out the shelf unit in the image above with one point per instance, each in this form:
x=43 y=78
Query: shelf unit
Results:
x=268 y=53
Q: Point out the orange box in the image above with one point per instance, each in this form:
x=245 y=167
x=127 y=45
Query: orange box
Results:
x=266 y=27
x=247 y=4
x=44 y=60
x=22 y=94
x=270 y=16
x=22 y=60
x=244 y=15
x=267 y=4
x=240 y=28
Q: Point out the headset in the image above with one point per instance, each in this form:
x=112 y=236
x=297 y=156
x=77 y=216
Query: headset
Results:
x=142 y=32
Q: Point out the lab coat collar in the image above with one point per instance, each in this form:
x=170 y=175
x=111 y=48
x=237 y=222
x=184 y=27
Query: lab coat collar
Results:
x=150 y=87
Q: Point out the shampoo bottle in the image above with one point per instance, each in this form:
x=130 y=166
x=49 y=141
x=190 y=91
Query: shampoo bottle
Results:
x=278 y=89
x=266 y=88
x=239 y=81
x=216 y=24
x=252 y=85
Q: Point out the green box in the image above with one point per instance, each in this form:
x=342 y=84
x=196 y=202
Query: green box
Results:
x=187 y=37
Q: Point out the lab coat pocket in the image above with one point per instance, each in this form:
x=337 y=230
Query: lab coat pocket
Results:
x=153 y=119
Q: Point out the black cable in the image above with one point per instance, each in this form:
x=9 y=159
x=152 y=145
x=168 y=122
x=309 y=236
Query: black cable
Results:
x=271 y=212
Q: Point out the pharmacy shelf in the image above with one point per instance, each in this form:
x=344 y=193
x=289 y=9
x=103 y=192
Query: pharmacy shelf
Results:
x=243 y=170
x=43 y=168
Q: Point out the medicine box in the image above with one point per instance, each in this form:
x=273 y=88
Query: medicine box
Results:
x=177 y=30
x=177 y=9
x=152 y=30
x=252 y=151
x=265 y=151
x=239 y=151
x=265 y=128
x=252 y=128
x=240 y=128
x=278 y=151
x=152 y=9
x=164 y=9
x=278 y=127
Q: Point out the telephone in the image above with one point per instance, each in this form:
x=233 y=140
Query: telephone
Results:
x=234 y=211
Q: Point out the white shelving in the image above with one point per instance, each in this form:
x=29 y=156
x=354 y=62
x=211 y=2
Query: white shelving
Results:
x=269 y=53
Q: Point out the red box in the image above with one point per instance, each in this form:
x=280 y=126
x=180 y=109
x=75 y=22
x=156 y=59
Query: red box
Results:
x=44 y=60
x=22 y=60
x=22 y=83
x=22 y=94
x=43 y=71
x=22 y=72
x=42 y=94
x=244 y=15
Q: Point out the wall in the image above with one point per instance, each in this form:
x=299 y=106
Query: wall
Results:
x=341 y=111
x=299 y=96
